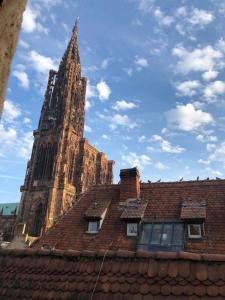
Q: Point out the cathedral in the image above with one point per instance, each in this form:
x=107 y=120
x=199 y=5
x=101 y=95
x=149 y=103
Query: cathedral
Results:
x=63 y=165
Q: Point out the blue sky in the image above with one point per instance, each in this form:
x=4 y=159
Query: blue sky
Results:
x=156 y=86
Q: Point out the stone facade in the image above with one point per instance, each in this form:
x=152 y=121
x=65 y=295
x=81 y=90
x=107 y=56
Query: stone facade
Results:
x=11 y=12
x=63 y=164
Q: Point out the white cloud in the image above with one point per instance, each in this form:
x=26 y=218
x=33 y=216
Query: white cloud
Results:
x=163 y=145
x=181 y=11
x=129 y=71
x=104 y=90
x=49 y=3
x=221 y=45
x=132 y=159
x=11 y=111
x=24 y=44
x=106 y=137
x=41 y=63
x=187 y=118
x=213 y=172
x=18 y=144
x=118 y=120
x=210 y=146
x=188 y=88
x=25 y=145
x=124 y=105
x=22 y=76
x=30 y=23
x=161 y=18
x=160 y=166
x=200 y=17
x=105 y=63
x=27 y=121
x=142 y=139
x=210 y=75
x=140 y=62
x=87 y=128
x=206 y=138
x=7 y=134
x=204 y=162
x=145 y=6
x=214 y=89
x=219 y=154
x=198 y=60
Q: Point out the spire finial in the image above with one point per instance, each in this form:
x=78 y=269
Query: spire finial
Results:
x=75 y=29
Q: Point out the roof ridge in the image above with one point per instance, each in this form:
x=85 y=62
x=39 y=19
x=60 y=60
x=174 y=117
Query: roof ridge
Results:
x=158 y=255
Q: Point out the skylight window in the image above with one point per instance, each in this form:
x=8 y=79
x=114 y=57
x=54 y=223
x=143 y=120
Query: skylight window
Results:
x=161 y=236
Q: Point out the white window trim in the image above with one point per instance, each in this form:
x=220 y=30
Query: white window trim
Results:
x=89 y=231
x=192 y=236
x=130 y=233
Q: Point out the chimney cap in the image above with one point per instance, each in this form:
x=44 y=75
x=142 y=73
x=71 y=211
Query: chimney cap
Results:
x=132 y=172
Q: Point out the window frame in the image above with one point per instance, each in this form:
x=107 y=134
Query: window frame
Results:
x=160 y=247
x=93 y=221
x=192 y=236
x=130 y=234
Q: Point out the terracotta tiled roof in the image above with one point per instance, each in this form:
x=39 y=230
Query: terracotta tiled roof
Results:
x=164 y=203
x=97 y=208
x=193 y=210
x=133 y=209
x=61 y=275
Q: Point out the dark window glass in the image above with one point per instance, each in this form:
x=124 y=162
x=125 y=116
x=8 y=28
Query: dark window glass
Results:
x=146 y=232
x=167 y=234
x=161 y=236
x=156 y=234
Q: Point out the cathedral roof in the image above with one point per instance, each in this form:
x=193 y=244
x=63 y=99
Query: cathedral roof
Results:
x=9 y=209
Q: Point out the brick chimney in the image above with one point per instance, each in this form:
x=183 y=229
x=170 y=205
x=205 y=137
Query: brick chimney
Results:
x=129 y=184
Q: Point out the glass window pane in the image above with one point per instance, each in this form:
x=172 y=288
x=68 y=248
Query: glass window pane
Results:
x=146 y=233
x=194 y=230
x=156 y=234
x=167 y=234
x=178 y=234
x=93 y=226
x=132 y=229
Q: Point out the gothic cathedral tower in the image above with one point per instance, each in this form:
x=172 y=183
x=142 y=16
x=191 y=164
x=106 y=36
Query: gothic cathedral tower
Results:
x=63 y=164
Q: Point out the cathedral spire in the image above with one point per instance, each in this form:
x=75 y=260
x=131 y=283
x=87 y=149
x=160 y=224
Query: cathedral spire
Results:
x=72 y=51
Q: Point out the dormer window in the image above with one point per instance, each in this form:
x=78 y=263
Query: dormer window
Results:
x=93 y=226
x=95 y=215
x=194 y=231
x=132 y=229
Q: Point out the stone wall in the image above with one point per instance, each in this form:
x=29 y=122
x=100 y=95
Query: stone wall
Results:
x=10 y=23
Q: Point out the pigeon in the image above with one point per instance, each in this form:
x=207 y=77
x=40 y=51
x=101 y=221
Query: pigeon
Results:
x=149 y=181
x=197 y=178
x=217 y=178
x=181 y=179
x=159 y=180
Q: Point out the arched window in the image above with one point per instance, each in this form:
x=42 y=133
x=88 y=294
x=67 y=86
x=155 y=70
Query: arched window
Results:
x=38 y=220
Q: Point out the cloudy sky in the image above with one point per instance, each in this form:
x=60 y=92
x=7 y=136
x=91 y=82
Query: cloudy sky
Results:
x=156 y=86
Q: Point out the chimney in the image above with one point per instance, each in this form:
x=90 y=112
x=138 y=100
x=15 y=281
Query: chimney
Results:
x=129 y=184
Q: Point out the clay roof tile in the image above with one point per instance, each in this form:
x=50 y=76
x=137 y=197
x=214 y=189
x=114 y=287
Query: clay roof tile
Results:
x=192 y=209
x=201 y=271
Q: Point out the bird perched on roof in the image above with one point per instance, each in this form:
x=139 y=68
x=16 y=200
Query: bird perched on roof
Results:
x=217 y=178
x=197 y=178
x=149 y=181
x=207 y=178
x=159 y=180
x=181 y=179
